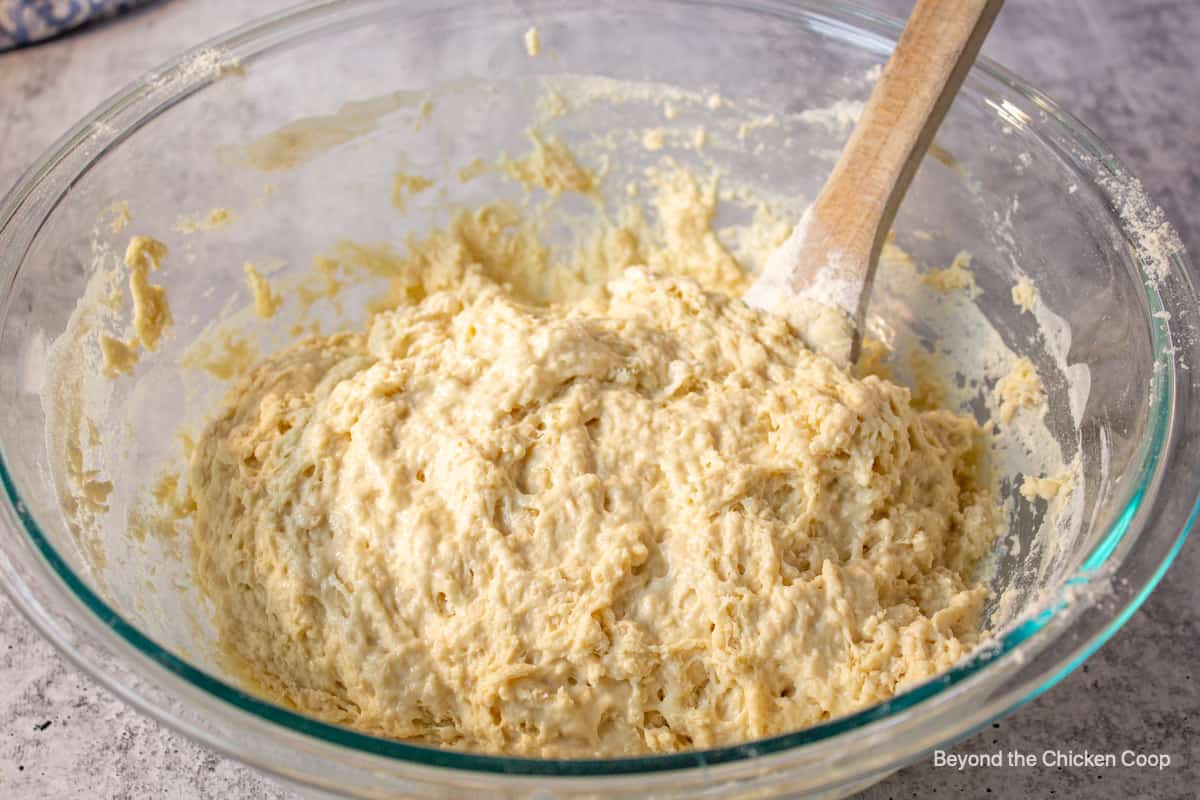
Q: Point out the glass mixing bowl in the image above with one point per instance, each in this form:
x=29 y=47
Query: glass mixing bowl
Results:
x=1024 y=186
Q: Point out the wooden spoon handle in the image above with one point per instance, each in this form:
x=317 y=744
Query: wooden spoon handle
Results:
x=853 y=213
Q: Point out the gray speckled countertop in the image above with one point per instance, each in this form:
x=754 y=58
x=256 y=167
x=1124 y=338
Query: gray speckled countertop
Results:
x=1128 y=68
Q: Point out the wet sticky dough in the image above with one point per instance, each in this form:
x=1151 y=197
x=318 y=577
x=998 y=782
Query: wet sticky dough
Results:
x=521 y=515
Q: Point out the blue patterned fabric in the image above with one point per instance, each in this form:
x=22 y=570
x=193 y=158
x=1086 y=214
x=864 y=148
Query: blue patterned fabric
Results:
x=26 y=21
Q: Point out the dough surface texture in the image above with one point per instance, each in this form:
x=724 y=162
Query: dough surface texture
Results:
x=649 y=521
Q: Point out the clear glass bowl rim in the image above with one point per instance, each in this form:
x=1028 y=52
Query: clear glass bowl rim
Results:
x=1051 y=620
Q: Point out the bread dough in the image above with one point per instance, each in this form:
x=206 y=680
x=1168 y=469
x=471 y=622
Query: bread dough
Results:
x=1020 y=389
x=214 y=219
x=1024 y=295
x=1049 y=487
x=266 y=302
x=954 y=277
x=645 y=521
x=151 y=312
x=405 y=186
x=551 y=166
x=533 y=42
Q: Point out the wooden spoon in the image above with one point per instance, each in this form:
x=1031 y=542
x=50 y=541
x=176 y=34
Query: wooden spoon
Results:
x=820 y=278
